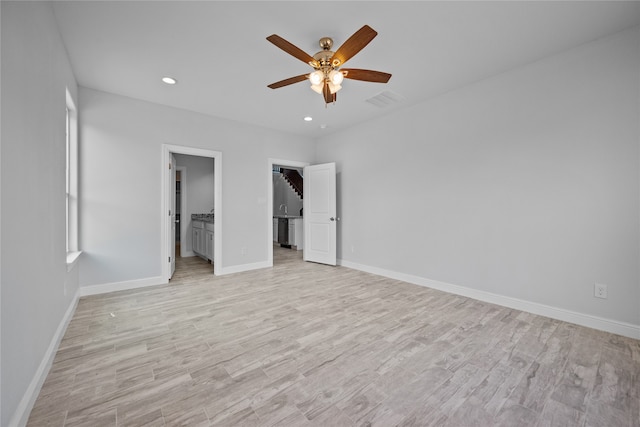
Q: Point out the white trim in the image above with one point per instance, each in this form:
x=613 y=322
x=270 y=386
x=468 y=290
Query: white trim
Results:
x=121 y=286
x=167 y=150
x=72 y=259
x=21 y=415
x=590 y=321
x=72 y=174
x=270 y=164
x=245 y=267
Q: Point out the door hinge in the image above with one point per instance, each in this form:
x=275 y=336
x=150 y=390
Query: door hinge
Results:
x=169 y=212
x=169 y=259
x=169 y=165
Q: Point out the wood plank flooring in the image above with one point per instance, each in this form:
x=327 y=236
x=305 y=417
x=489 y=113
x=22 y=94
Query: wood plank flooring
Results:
x=304 y=344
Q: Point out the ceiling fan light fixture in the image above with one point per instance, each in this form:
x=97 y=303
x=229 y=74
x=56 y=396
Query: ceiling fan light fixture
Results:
x=316 y=77
x=336 y=77
x=317 y=88
x=333 y=88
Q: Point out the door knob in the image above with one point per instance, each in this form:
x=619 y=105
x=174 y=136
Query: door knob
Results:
x=334 y=219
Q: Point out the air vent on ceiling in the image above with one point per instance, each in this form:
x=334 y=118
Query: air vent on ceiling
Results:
x=385 y=99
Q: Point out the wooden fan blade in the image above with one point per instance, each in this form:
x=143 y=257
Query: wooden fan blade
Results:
x=353 y=45
x=292 y=50
x=289 y=81
x=365 y=75
x=328 y=96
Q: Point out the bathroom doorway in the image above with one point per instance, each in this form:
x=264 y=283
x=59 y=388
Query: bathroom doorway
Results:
x=168 y=236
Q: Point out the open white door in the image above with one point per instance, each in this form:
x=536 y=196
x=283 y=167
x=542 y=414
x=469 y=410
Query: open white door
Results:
x=320 y=213
x=172 y=218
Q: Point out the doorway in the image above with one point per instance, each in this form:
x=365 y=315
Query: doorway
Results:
x=279 y=210
x=168 y=197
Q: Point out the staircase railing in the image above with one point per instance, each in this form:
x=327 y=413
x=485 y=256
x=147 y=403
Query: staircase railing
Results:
x=294 y=179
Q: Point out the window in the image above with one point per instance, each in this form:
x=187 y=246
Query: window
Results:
x=71 y=171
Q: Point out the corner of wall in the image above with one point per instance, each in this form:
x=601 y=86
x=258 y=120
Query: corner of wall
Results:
x=21 y=415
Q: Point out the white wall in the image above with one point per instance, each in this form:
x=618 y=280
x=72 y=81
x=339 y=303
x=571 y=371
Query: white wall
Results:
x=120 y=204
x=37 y=291
x=525 y=185
x=199 y=188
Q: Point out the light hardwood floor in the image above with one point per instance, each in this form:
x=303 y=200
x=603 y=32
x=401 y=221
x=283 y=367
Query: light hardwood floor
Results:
x=303 y=344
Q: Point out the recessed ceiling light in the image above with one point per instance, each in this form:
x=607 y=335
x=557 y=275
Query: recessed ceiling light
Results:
x=308 y=119
x=169 y=80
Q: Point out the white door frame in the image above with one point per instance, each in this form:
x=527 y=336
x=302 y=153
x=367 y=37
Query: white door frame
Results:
x=165 y=197
x=172 y=215
x=271 y=163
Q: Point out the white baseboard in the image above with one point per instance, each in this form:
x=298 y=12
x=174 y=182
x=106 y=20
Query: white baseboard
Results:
x=245 y=267
x=21 y=415
x=582 y=319
x=121 y=286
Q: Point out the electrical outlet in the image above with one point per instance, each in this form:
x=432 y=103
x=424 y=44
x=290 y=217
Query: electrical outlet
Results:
x=600 y=291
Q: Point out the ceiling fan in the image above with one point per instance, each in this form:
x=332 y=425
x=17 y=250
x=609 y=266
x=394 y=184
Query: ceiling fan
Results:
x=328 y=76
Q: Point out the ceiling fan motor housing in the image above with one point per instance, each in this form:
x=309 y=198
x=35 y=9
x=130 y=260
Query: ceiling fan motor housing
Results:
x=323 y=58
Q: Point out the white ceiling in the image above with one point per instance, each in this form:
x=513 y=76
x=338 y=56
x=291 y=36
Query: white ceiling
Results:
x=219 y=54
